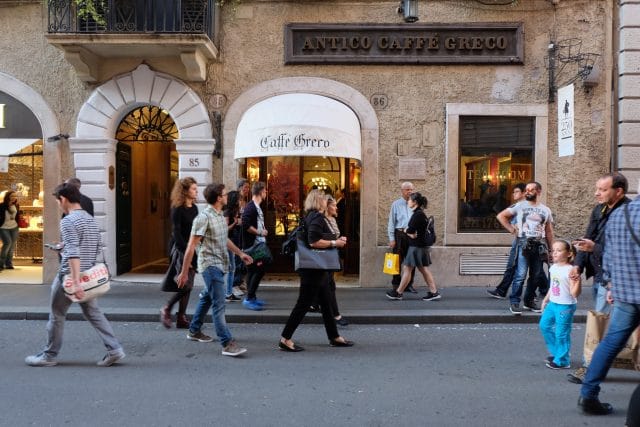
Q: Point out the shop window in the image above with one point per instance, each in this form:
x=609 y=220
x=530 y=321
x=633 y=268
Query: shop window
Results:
x=495 y=153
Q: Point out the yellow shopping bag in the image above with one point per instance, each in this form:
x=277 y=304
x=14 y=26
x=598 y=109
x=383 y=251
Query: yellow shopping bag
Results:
x=391 y=263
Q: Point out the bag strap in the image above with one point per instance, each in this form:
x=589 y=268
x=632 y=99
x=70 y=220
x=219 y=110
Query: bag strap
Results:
x=626 y=216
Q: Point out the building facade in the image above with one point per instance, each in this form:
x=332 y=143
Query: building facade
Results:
x=337 y=95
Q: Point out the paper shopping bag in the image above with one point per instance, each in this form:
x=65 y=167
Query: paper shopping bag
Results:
x=597 y=324
x=391 y=263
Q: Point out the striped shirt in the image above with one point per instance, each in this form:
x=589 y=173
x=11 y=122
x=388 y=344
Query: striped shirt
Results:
x=211 y=225
x=621 y=259
x=81 y=237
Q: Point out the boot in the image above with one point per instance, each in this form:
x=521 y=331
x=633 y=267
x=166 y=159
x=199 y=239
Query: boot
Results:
x=182 y=322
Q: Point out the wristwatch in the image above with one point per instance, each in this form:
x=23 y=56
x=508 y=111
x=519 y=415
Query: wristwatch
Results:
x=333 y=243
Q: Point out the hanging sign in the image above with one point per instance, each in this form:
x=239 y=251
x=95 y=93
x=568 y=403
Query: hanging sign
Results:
x=565 y=121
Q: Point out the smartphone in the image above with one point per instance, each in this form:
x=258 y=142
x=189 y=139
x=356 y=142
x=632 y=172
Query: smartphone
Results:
x=54 y=246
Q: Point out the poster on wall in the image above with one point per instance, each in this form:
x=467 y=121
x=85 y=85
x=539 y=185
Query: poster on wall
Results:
x=565 y=121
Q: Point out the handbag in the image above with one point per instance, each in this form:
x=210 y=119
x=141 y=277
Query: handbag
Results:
x=169 y=283
x=316 y=259
x=597 y=324
x=391 y=263
x=260 y=253
x=95 y=282
x=430 y=232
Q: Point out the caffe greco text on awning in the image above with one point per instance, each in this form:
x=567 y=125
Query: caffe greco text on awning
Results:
x=471 y=43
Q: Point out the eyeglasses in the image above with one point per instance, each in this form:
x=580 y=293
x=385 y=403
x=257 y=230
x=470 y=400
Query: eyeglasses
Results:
x=224 y=195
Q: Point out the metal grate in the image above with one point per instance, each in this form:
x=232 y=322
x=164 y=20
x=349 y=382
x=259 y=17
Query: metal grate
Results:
x=488 y=264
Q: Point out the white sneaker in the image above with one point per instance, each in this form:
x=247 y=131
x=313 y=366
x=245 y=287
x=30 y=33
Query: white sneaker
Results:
x=233 y=350
x=40 y=359
x=237 y=292
x=110 y=359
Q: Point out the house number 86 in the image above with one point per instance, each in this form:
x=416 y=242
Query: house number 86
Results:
x=379 y=101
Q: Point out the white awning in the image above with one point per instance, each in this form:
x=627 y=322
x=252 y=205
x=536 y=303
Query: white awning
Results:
x=11 y=145
x=298 y=124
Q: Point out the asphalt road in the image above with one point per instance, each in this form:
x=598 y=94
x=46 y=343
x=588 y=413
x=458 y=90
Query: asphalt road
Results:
x=412 y=375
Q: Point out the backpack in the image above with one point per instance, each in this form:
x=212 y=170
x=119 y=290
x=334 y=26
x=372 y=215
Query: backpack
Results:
x=290 y=245
x=430 y=232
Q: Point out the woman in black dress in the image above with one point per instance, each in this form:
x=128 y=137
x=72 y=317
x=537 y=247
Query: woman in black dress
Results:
x=418 y=255
x=183 y=212
x=314 y=283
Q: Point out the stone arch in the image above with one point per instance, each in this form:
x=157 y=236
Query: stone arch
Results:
x=51 y=160
x=94 y=145
x=369 y=131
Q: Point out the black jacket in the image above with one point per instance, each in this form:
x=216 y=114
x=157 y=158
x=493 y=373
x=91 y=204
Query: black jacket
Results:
x=3 y=211
x=249 y=219
x=592 y=261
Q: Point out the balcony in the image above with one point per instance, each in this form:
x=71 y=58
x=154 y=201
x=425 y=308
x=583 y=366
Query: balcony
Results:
x=98 y=35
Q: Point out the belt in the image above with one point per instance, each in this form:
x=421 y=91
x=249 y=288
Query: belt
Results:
x=400 y=229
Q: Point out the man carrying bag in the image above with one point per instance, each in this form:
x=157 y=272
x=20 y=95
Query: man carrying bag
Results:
x=81 y=239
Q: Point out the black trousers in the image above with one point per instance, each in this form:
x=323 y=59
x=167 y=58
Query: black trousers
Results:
x=402 y=246
x=313 y=284
x=254 y=276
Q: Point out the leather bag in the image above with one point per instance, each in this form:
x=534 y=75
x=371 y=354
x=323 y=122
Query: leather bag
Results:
x=316 y=259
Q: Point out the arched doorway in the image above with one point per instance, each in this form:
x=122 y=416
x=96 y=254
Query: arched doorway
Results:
x=146 y=168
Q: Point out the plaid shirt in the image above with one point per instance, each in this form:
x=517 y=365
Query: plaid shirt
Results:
x=211 y=225
x=621 y=260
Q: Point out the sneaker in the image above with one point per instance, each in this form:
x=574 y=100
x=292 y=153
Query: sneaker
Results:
x=237 y=292
x=515 y=309
x=594 y=406
x=198 y=336
x=260 y=302
x=111 y=358
x=411 y=289
x=233 y=350
x=432 y=296
x=548 y=359
x=252 y=305
x=531 y=307
x=232 y=298
x=495 y=294
x=577 y=376
x=552 y=365
x=394 y=295
x=243 y=287
x=40 y=359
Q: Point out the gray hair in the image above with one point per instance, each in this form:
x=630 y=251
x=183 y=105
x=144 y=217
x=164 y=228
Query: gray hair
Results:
x=406 y=185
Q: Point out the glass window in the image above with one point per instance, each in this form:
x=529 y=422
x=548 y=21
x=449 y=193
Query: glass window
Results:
x=495 y=154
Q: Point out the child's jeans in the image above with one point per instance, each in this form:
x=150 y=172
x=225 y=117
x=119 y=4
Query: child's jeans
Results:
x=555 y=325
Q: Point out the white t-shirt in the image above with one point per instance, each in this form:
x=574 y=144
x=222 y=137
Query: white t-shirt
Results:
x=560 y=289
x=531 y=220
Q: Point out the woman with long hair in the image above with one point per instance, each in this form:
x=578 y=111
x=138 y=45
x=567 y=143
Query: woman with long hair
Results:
x=418 y=255
x=314 y=282
x=9 y=218
x=183 y=212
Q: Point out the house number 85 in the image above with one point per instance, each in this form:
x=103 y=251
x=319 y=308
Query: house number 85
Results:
x=194 y=162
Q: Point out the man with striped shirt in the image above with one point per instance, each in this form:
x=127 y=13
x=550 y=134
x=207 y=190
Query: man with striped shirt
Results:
x=81 y=243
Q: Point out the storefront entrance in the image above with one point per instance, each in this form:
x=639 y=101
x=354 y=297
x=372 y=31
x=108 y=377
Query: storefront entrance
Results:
x=146 y=168
x=289 y=179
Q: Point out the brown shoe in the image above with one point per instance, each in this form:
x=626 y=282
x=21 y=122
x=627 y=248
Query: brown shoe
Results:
x=165 y=317
x=182 y=322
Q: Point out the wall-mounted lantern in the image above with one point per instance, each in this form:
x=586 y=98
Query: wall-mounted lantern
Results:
x=409 y=10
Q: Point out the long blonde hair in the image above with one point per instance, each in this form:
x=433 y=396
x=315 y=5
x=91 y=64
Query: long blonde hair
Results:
x=180 y=191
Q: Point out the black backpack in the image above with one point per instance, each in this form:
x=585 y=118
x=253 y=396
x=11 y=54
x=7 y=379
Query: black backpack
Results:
x=290 y=245
x=430 y=232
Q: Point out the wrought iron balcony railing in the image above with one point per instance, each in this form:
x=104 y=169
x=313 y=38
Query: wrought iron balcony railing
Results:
x=132 y=16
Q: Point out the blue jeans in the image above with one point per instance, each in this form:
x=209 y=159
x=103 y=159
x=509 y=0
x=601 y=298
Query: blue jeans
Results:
x=212 y=295
x=9 y=238
x=625 y=318
x=555 y=325
x=507 y=277
x=231 y=273
x=526 y=262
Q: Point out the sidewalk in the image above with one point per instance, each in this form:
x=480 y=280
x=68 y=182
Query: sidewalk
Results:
x=141 y=302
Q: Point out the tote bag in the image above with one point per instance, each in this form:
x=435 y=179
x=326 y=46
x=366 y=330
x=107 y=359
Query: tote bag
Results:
x=597 y=324
x=391 y=263
x=316 y=259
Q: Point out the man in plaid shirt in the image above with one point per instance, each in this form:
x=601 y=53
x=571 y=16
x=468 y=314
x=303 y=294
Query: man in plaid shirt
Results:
x=621 y=272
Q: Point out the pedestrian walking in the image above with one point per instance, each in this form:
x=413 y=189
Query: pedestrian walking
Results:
x=183 y=212
x=209 y=235
x=254 y=231
x=331 y=214
x=396 y=227
x=81 y=244
x=610 y=194
x=559 y=305
x=621 y=270
x=234 y=224
x=534 y=233
x=10 y=216
x=500 y=292
x=314 y=283
x=418 y=256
